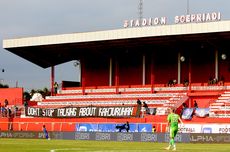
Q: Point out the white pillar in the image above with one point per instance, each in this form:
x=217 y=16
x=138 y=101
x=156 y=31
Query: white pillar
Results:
x=143 y=70
x=216 y=64
x=178 y=68
x=110 y=71
x=80 y=71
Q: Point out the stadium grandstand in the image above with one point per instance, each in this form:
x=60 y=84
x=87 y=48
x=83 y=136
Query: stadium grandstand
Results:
x=164 y=66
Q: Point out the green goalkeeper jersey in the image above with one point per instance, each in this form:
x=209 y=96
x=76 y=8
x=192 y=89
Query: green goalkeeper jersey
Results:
x=173 y=119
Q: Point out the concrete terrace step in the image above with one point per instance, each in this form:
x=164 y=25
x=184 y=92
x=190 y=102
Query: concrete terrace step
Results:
x=225 y=95
x=223 y=98
x=121 y=102
x=111 y=96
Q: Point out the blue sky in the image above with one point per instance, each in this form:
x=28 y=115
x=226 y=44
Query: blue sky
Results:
x=27 y=18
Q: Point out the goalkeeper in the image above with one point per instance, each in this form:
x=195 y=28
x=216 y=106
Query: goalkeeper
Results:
x=173 y=119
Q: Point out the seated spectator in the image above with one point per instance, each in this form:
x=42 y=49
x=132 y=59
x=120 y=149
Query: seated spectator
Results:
x=174 y=82
x=215 y=81
x=170 y=83
x=212 y=80
x=186 y=82
x=221 y=82
x=124 y=126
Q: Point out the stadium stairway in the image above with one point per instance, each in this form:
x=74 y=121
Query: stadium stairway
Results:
x=161 y=100
x=221 y=107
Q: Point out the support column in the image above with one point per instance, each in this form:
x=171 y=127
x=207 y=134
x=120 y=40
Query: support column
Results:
x=216 y=65
x=190 y=75
x=110 y=71
x=178 y=69
x=117 y=76
x=143 y=70
x=82 y=66
x=52 y=80
x=80 y=72
x=152 y=74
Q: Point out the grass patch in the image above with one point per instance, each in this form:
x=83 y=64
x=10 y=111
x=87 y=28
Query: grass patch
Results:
x=42 y=145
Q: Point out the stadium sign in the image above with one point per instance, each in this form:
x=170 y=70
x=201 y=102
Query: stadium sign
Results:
x=71 y=112
x=189 y=18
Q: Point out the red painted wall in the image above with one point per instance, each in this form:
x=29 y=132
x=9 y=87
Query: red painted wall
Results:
x=224 y=69
x=130 y=69
x=165 y=66
x=203 y=65
x=13 y=95
x=96 y=71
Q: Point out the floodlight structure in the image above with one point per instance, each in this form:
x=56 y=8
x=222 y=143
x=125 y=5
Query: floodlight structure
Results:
x=187 y=10
x=140 y=8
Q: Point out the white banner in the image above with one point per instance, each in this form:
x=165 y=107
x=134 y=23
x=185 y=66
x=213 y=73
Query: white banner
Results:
x=189 y=128
x=204 y=128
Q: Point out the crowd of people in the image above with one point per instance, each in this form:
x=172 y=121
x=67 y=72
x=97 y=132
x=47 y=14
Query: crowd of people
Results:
x=145 y=110
x=215 y=81
x=7 y=110
x=211 y=81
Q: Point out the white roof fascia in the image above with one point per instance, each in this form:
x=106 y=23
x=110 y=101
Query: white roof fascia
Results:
x=126 y=33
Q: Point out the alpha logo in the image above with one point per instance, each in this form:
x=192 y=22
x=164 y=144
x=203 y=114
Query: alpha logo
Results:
x=202 y=138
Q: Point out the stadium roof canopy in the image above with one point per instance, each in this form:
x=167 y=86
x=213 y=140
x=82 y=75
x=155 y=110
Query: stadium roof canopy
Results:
x=46 y=51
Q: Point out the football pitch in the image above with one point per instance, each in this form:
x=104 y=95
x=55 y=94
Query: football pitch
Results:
x=42 y=145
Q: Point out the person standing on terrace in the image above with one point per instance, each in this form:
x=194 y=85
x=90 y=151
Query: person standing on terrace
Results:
x=55 y=87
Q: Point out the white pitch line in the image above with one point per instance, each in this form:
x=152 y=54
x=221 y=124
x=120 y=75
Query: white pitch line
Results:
x=70 y=149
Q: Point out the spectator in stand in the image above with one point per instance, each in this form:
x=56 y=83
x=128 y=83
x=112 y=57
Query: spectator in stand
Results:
x=0 y=110
x=154 y=129
x=146 y=108
x=15 y=110
x=184 y=106
x=138 y=112
x=25 y=103
x=6 y=103
x=9 y=112
x=195 y=104
x=3 y=111
x=221 y=82
x=186 y=82
x=212 y=80
x=55 y=87
x=172 y=83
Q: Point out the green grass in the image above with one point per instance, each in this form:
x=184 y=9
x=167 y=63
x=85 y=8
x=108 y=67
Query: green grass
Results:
x=41 y=145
